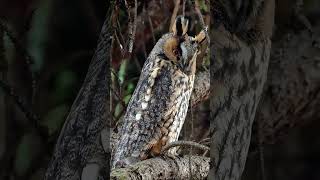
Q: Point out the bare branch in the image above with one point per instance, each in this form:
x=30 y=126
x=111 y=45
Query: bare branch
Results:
x=132 y=23
x=166 y=168
x=174 y=13
x=31 y=117
x=185 y=143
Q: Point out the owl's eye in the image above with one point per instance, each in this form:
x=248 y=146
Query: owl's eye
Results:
x=175 y=52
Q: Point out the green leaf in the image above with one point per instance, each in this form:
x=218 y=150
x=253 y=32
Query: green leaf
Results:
x=130 y=88
x=118 y=110
x=126 y=99
x=122 y=71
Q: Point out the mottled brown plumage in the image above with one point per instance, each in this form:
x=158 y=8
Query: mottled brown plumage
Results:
x=159 y=104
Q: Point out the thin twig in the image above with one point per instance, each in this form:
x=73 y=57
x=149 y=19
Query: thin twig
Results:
x=119 y=30
x=185 y=143
x=132 y=24
x=151 y=27
x=174 y=13
x=120 y=45
x=32 y=118
x=203 y=24
x=191 y=136
x=298 y=7
x=205 y=140
x=21 y=50
x=184 y=8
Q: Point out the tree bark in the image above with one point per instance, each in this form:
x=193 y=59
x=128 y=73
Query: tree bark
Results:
x=237 y=87
x=239 y=69
x=291 y=95
x=79 y=141
x=194 y=167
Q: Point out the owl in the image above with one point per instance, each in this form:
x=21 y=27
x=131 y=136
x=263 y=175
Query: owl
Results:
x=159 y=104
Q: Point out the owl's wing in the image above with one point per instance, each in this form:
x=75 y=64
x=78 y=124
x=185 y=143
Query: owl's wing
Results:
x=148 y=104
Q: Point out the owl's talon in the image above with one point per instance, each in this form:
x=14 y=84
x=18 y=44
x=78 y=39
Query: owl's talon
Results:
x=172 y=155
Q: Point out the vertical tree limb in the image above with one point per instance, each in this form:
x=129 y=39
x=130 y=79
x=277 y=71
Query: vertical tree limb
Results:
x=238 y=73
x=79 y=142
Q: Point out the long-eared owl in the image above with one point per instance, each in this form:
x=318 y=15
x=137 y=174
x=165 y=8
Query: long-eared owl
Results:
x=159 y=104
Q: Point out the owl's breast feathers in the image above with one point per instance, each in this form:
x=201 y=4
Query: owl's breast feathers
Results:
x=154 y=111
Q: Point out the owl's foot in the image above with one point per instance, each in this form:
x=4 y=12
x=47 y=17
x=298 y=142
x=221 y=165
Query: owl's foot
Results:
x=172 y=153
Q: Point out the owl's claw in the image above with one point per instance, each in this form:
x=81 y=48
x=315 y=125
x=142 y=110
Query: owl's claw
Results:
x=172 y=153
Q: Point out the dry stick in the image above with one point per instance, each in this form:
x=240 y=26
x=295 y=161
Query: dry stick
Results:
x=301 y=17
x=184 y=8
x=32 y=118
x=120 y=45
x=151 y=28
x=174 y=13
x=119 y=29
x=132 y=24
x=185 y=143
x=191 y=136
x=203 y=24
x=21 y=50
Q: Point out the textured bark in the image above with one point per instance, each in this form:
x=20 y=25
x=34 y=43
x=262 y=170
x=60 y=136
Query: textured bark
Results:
x=292 y=92
x=79 y=141
x=166 y=168
x=236 y=87
x=238 y=72
x=291 y=95
x=201 y=89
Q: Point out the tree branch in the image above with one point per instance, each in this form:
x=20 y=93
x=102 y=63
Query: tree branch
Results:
x=166 y=168
x=79 y=142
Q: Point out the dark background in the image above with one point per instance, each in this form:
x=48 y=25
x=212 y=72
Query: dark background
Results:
x=60 y=36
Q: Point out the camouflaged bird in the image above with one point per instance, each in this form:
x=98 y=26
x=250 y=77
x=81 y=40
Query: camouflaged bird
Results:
x=159 y=104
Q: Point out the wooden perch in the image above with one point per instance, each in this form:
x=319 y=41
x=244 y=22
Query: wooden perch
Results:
x=166 y=168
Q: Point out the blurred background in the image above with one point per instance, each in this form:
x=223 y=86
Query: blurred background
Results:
x=44 y=59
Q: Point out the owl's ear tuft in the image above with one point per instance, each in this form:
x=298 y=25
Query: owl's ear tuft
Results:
x=199 y=38
x=180 y=26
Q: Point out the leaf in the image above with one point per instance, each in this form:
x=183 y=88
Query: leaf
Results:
x=122 y=71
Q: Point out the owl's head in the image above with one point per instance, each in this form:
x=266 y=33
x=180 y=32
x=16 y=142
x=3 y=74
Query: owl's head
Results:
x=181 y=48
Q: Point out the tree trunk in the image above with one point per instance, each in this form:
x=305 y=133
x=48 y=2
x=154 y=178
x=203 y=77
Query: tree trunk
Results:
x=79 y=141
x=238 y=72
